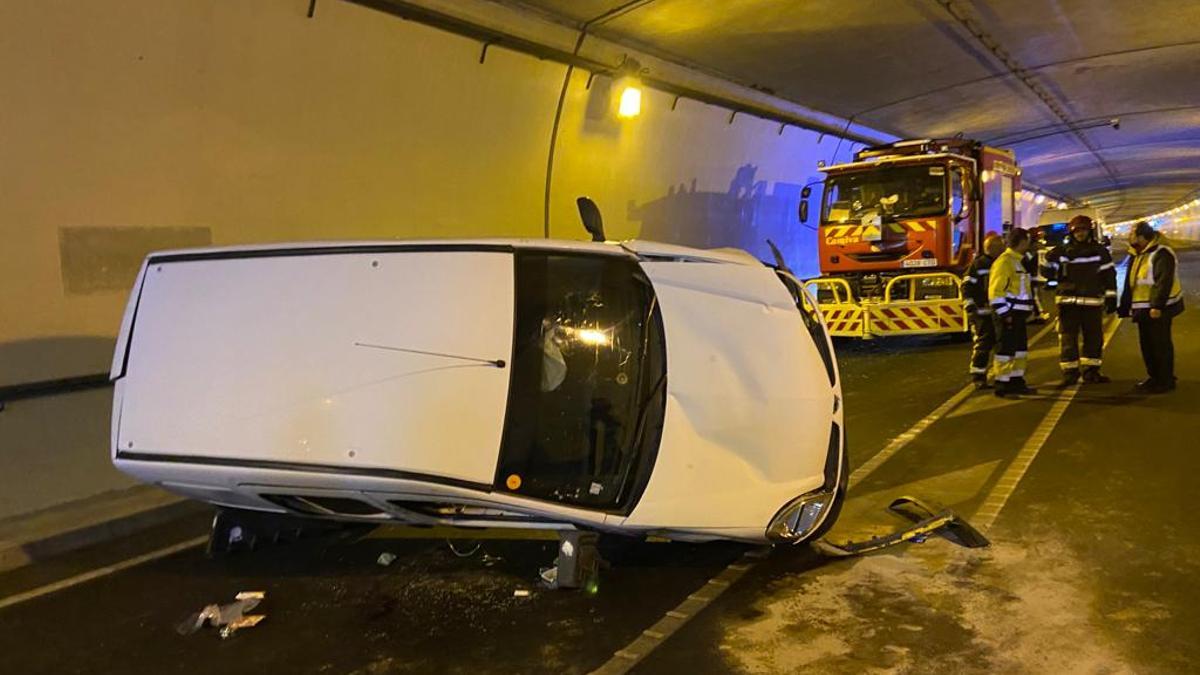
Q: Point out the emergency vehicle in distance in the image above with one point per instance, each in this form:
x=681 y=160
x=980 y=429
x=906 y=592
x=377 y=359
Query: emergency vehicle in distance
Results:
x=899 y=225
x=634 y=388
x=1052 y=227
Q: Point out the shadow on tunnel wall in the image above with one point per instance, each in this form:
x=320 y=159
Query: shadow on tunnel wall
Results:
x=744 y=216
x=52 y=358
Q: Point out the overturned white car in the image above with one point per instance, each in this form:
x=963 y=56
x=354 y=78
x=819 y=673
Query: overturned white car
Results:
x=637 y=388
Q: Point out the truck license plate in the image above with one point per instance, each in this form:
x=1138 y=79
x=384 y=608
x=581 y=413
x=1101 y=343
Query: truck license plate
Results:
x=920 y=262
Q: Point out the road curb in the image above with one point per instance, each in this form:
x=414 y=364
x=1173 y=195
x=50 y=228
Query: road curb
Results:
x=41 y=535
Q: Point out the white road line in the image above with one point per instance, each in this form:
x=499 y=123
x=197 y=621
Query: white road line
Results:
x=986 y=516
x=102 y=572
x=626 y=658
x=899 y=442
x=631 y=654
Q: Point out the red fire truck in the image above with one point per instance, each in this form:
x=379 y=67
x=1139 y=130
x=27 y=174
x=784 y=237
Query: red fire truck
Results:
x=900 y=224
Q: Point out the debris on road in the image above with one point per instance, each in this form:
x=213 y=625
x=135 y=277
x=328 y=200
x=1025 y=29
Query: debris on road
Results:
x=245 y=622
x=925 y=519
x=386 y=558
x=229 y=618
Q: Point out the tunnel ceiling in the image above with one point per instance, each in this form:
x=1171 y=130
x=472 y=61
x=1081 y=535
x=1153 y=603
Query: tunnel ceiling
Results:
x=921 y=68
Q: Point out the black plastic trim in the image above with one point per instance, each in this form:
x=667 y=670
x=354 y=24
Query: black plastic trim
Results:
x=359 y=249
x=17 y=392
x=833 y=457
x=132 y=323
x=393 y=474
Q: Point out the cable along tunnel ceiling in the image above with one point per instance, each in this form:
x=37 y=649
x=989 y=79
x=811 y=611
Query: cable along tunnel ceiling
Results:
x=913 y=69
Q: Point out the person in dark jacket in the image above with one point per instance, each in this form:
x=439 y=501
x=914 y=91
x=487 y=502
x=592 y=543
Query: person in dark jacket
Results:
x=979 y=310
x=1153 y=297
x=1030 y=262
x=1087 y=288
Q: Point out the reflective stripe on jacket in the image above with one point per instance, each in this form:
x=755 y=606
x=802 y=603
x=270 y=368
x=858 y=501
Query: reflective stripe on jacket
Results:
x=1084 y=271
x=975 y=284
x=1009 y=288
x=1153 y=280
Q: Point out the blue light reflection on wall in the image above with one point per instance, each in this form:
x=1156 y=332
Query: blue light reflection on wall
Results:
x=752 y=207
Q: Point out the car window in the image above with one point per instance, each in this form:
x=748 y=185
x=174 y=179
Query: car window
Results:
x=585 y=403
x=812 y=321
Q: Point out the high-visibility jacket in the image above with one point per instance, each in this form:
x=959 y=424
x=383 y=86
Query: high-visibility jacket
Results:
x=975 y=285
x=1084 y=271
x=1010 y=288
x=1152 y=282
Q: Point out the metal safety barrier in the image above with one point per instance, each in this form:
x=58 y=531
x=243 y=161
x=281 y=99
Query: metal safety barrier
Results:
x=922 y=303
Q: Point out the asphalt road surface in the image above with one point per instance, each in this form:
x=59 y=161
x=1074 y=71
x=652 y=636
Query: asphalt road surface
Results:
x=1085 y=495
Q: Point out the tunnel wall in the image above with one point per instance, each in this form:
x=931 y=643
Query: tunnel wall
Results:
x=137 y=125
x=140 y=125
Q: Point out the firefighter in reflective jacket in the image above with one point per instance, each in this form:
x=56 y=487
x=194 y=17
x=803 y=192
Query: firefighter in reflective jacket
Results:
x=1153 y=297
x=1010 y=295
x=979 y=309
x=1087 y=288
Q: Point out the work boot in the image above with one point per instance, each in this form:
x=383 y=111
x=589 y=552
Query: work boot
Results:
x=980 y=381
x=1094 y=376
x=1019 y=387
x=1070 y=378
x=1001 y=389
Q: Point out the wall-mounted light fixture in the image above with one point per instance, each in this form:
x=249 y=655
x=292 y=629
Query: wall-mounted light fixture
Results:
x=630 y=103
x=629 y=86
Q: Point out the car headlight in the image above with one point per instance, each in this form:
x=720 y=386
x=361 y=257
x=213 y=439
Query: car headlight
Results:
x=800 y=517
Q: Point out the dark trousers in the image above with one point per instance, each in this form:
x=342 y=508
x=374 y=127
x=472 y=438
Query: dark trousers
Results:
x=1074 y=320
x=1013 y=349
x=1157 y=349
x=983 y=341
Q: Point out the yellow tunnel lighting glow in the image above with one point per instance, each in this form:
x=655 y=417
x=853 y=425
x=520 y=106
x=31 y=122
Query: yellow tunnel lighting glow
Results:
x=1039 y=199
x=985 y=175
x=1061 y=205
x=631 y=102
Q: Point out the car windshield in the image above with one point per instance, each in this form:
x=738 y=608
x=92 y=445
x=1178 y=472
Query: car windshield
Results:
x=585 y=402
x=889 y=192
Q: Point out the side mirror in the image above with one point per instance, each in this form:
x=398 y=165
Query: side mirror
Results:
x=805 y=192
x=593 y=222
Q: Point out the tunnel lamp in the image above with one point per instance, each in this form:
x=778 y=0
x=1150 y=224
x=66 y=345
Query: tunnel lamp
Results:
x=985 y=175
x=1061 y=205
x=630 y=104
x=1039 y=199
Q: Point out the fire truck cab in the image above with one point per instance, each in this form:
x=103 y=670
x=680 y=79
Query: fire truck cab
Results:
x=899 y=225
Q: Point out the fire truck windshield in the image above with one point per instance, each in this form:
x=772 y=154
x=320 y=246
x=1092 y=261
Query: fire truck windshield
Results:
x=889 y=192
